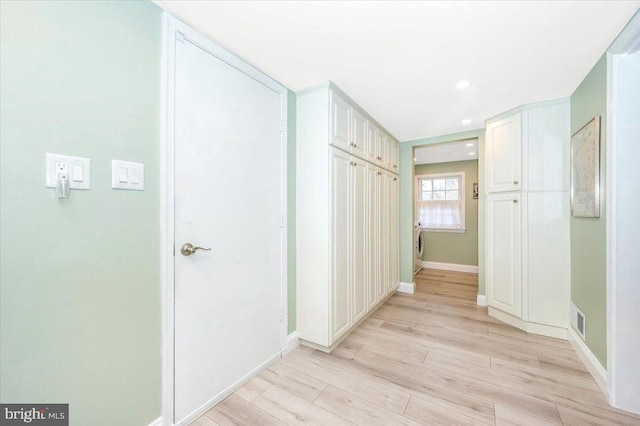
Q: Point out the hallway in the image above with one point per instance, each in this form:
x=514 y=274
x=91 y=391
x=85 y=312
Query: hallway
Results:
x=430 y=358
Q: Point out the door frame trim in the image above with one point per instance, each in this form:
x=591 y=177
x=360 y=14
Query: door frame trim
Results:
x=174 y=30
x=624 y=43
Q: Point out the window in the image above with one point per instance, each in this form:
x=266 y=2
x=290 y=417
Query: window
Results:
x=440 y=202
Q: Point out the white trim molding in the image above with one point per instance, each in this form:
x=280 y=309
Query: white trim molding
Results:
x=481 y=300
x=450 y=266
x=409 y=288
x=590 y=361
x=156 y=422
x=293 y=341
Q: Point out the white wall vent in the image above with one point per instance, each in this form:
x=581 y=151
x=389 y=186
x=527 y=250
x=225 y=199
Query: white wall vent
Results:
x=578 y=320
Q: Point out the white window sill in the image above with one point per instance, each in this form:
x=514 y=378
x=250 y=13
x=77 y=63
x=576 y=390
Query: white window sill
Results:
x=445 y=230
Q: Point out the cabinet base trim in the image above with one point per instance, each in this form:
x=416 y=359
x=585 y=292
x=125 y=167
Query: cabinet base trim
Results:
x=450 y=266
x=156 y=422
x=589 y=360
x=481 y=300
x=529 y=327
x=346 y=333
x=293 y=341
x=409 y=288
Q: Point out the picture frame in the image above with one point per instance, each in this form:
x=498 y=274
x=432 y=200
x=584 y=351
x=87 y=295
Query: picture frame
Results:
x=585 y=170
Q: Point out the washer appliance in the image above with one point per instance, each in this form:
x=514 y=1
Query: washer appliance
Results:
x=418 y=248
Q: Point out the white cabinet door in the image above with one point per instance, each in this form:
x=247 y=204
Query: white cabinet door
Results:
x=372 y=143
x=547 y=147
x=358 y=134
x=503 y=239
x=393 y=232
x=386 y=220
x=548 y=258
x=393 y=155
x=503 y=154
x=340 y=214
x=388 y=158
x=340 y=123
x=373 y=235
x=359 y=225
x=383 y=149
x=383 y=217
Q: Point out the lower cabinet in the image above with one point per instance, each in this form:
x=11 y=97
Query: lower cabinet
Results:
x=504 y=261
x=362 y=252
x=527 y=260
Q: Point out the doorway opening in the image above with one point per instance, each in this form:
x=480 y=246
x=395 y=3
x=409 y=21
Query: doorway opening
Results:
x=445 y=206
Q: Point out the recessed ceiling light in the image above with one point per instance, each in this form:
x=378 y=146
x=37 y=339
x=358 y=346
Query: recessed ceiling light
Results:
x=470 y=144
x=415 y=159
x=463 y=84
x=466 y=122
x=471 y=153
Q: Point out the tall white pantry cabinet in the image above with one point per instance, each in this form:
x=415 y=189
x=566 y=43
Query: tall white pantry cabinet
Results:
x=347 y=215
x=527 y=217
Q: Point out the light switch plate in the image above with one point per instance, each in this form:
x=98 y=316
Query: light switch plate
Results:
x=79 y=170
x=127 y=175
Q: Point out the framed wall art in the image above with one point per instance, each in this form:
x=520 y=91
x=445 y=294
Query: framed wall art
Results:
x=585 y=170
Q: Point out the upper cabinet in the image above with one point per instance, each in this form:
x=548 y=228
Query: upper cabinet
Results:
x=353 y=131
x=503 y=154
x=528 y=149
x=340 y=123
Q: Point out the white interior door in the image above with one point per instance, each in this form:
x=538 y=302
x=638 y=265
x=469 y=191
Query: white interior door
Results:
x=228 y=197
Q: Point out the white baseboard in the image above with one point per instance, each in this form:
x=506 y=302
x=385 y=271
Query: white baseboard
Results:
x=590 y=361
x=228 y=391
x=409 y=288
x=481 y=300
x=293 y=341
x=156 y=422
x=450 y=266
x=529 y=327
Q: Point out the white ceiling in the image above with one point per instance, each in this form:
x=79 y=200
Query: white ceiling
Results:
x=446 y=152
x=400 y=60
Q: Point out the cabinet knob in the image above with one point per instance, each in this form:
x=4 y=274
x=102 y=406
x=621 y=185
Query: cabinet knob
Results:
x=395 y=167
x=379 y=158
x=395 y=178
x=515 y=182
x=379 y=173
x=515 y=201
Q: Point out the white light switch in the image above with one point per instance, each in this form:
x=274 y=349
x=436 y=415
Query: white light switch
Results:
x=127 y=175
x=79 y=171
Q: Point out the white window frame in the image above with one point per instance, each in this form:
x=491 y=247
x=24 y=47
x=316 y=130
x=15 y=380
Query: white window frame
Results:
x=418 y=195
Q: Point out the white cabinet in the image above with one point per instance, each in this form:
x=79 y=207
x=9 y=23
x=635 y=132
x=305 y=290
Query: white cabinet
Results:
x=347 y=216
x=373 y=235
x=504 y=262
x=358 y=233
x=527 y=218
x=503 y=154
x=340 y=123
x=373 y=146
x=340 y=259
x=393 y=202
x=359 y=134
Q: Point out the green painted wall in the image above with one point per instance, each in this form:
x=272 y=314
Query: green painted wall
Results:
x=449 y=247
x=79 y=278
x=291 y=209
x=588 y=235
x=406 y=201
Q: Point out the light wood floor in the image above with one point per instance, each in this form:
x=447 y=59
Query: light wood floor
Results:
x=430 y=358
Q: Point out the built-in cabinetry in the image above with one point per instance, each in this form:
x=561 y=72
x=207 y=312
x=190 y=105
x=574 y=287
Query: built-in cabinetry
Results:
x=527 y=217
x=347 y=215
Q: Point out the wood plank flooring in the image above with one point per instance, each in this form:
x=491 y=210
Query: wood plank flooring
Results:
x=433 y=358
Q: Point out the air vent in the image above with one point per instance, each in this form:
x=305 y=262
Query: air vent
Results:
x=578 y=320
